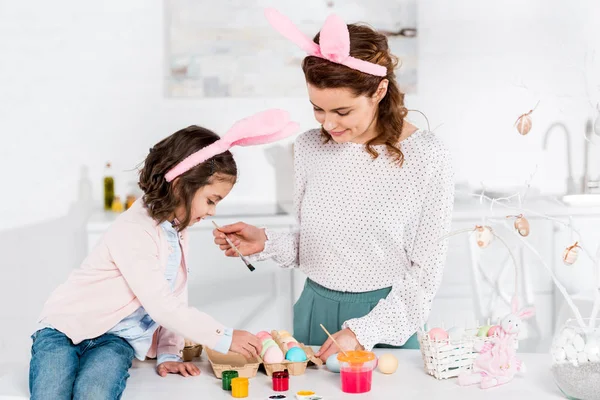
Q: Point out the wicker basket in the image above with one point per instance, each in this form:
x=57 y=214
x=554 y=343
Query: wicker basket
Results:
x=191 y=351
x=447 y=358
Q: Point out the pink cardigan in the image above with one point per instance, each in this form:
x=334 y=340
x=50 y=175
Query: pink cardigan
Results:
x=124 y=271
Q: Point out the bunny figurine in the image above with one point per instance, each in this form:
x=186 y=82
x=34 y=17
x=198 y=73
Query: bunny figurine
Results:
x=497 y=362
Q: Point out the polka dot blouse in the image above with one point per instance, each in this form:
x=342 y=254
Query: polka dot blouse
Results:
x=367 y=224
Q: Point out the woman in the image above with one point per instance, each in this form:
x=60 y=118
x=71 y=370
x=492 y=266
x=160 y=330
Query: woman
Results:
x=373 y=197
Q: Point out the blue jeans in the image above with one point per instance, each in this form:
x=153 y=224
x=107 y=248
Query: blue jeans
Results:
x=93 y=369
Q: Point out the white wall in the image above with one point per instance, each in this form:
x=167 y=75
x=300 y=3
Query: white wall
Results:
x=82 y=83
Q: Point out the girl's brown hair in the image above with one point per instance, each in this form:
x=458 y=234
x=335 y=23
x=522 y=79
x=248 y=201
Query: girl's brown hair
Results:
x=369 y=45
x=161 y=198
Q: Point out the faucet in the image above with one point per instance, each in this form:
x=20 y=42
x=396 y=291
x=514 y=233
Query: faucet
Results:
x=586 y=183
x=570 y=180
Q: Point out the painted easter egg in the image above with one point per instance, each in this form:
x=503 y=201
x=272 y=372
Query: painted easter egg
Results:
x=295 y=354
x=524 y=123
x=387 y=364
x=287 y=339
x=494 y=330
x=571 y=254
x=437 y=334
x=522 y=226
x=483 y=236
x=270 y=343
x=332 y=363
x=483 y=331
x=273 y=355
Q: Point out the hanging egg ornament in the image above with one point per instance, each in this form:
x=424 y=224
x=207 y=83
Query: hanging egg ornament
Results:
x=524 y=123
x=570 y=254
x=522 y=225
x=483 y=236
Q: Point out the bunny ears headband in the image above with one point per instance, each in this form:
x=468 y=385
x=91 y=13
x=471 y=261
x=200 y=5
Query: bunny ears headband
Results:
x=265 y=127
x=334 y=42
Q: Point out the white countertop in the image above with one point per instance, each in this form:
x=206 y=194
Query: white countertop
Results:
x=271 y=214
x=263 y=214
x=409 y=382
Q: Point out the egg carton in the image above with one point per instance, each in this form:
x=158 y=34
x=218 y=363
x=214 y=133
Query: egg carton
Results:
x=232 y=362
x=444 y=359
x=293 y=368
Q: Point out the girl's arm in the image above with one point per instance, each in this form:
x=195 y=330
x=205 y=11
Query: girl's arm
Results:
x=397 y=317
x=135 y=253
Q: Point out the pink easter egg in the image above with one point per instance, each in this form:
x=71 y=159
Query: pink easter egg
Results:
x=493 y=330
x=273 y=355
x=438 y=334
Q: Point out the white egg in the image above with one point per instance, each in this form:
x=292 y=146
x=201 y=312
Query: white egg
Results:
x=582 y=358
x=594 y=357
x=560 y=341
x=570 y=352
x=568 y=333
x=456 y=333
x=578 y=342
x=592 y=340
x=559 y=354
x=591 y=348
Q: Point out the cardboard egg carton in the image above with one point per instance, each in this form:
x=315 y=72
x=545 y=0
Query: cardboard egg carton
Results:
x=293 y=368
x=248 y=368
x=232 y=362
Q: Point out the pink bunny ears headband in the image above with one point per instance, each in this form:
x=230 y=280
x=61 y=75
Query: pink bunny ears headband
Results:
x=334 y=42
x=265 y=127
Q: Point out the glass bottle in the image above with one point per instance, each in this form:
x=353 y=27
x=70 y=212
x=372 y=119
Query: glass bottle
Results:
x=109 y=187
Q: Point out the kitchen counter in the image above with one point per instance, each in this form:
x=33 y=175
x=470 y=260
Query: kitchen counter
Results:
x=409 y=382
x=266 y=214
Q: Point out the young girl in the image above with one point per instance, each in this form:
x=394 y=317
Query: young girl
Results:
x=373 y=196
x=129 y=297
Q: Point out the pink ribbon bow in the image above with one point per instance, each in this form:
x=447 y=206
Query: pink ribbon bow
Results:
x=264 y=127
x=334 y=42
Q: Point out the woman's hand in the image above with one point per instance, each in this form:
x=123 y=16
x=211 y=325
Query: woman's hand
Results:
x=247 y=238
x=345 y=338
x=246 y=344
x=173 y=367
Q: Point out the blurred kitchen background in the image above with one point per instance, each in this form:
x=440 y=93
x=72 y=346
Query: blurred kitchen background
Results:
x=85 y=83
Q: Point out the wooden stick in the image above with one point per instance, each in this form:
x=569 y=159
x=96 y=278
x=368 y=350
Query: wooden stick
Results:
x=336 y=343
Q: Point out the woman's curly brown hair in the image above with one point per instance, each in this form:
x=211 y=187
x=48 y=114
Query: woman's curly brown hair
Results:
x=368 y=45
x=161 y=198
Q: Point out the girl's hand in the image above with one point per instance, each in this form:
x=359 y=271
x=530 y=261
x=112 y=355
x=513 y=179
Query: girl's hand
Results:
x=246 y=344
x=173 y=367
x=247 y=238
x=345 y=338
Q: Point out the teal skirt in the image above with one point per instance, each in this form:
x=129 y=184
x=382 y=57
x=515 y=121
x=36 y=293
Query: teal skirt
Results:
x=319 y=305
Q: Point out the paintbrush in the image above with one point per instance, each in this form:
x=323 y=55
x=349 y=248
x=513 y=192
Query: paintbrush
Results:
x=243 y=257
x=336 y=343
